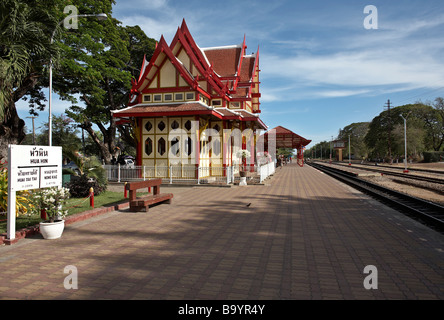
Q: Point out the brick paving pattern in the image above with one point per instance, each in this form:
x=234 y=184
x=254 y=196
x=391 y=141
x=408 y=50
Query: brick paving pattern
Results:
x=303 y=236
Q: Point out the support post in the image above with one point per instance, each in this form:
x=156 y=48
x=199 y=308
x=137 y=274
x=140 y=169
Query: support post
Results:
x=171 y=174
x=11 y=201
x=91 y=197
x=11 y=215
x=43 y=214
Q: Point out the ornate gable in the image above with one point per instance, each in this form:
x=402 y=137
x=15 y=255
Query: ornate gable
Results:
x=219 y=76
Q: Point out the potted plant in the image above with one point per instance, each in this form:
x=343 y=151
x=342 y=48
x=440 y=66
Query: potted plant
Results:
x=243 y=154
x=52 y=200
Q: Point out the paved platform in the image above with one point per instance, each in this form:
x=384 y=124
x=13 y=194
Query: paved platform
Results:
x=303 y=235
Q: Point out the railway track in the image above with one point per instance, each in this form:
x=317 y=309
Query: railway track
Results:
x=427 y=212
x=401 y=175
x=410 y=169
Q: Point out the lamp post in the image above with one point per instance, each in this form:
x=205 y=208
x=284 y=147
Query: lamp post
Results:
x=405 y=141
x=99 y=16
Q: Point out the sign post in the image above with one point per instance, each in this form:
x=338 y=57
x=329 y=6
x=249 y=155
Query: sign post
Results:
x=31 y=167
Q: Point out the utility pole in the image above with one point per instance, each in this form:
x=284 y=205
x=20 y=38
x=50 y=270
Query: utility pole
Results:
x=331 y=141
x=405 y=141
x=389 y=131
x=33 y=129
x=349 y=151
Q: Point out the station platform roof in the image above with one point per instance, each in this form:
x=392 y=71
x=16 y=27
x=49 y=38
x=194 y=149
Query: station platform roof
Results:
x=286 y=138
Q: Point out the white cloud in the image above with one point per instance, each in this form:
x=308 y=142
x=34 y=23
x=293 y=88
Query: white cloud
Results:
x=153 y=28
x=307 y=54
x=342 y=93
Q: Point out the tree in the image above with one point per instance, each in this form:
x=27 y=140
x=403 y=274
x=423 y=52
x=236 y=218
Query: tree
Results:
x=65 y=134
x=357 y=132
x=433 y=117
x=319 y=150
x=286 y=152
x=25 y=30
x=100 y=59
x=424 y=130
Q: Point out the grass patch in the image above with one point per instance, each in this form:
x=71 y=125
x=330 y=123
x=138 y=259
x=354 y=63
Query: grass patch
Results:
x=74 y=205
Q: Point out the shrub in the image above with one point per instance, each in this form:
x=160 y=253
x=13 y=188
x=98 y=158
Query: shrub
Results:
x=79 y=186
x=22 y=204
x=433 y=156
x=52 y=200
x=91 y=175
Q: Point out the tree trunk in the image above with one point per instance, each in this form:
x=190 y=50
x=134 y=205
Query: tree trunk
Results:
x=107 y=146
x=11 y=130
x=11 y=126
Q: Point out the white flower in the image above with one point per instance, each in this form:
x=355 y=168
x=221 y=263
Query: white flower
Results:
x=243 y=154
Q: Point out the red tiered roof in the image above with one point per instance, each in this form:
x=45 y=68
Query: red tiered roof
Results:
x=227 y=70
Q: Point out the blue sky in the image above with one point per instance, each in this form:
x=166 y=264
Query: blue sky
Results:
x=321 y=69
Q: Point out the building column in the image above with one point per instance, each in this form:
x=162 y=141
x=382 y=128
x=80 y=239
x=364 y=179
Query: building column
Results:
x=300 y=156
x=139 y=155
x=197 y=145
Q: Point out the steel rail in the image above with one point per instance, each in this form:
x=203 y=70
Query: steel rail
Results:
x=410 y=169
x=401 y=175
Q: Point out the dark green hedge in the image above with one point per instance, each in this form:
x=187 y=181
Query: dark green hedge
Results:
x=433 y=156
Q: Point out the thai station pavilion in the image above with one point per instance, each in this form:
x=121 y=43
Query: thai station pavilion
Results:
x=183 y=91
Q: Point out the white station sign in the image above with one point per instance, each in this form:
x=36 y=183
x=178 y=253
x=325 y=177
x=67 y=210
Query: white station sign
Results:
x=35 y=167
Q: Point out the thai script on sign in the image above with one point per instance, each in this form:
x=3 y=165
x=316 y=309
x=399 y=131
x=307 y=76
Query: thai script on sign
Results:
x=38 y=152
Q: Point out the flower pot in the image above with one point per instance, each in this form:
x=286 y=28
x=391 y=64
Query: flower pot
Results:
x=243 y=181
x=52 y=230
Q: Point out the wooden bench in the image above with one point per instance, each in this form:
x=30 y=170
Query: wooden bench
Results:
x=143 y=203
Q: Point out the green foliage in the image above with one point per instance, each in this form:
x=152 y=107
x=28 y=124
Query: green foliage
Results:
x=357 y=132
x=22 y=205
x=92 y=175
x=79 y=186
x=65 y=133
x=315 y=151
x=286 y=152
x=424 y=130
x=52 y=200
x=25 y=30
x=433 y=156
x=100 y=59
